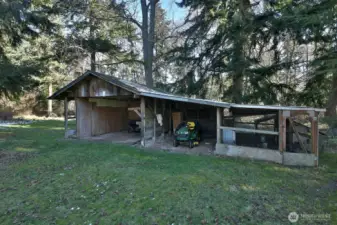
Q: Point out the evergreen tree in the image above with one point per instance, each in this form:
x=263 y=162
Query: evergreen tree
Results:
x=253 y=51
x=316 y=25
x=93 y=30
x=21 y=21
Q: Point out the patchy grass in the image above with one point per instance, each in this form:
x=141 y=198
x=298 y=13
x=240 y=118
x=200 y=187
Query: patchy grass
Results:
x=78 y=182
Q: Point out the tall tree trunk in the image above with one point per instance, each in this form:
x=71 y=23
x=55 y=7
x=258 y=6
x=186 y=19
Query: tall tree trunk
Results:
x=148 y=38
x=91 y=38
x=239 y=44
x=332 y=101
x=93 y=61
x=152 y=39
x=237 y=88
x=50 y=102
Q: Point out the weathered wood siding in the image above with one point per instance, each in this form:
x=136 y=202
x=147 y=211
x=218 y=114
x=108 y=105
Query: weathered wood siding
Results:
x=83 y=117
x=108 y=119
x=95 y=120
x=83 y=89
x=101 y=88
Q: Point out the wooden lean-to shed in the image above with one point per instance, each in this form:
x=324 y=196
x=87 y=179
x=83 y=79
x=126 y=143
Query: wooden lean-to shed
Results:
x=106 y=105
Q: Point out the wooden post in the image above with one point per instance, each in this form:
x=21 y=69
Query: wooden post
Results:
x=164 y=122
x=297 y=135
x=218 y=125
x=50 y=102
x=142 y=111
x=76 y=117
x=314 y=135
x=65 y=114
x=154 y=119
x=282 y=131
x=170 y=118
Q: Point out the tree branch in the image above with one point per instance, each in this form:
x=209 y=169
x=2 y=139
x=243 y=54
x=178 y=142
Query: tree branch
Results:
x=123 y=61
x=124 y=13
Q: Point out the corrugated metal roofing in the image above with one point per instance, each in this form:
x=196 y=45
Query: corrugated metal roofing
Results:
x=275 y=107
x=142 y=90
x=138 y=89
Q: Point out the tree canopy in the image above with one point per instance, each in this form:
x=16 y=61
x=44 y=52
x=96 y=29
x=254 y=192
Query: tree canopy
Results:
x=262 y=52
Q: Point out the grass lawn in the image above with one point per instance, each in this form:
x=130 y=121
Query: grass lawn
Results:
x=48 y=180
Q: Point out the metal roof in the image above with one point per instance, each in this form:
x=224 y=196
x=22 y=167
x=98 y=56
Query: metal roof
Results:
x=275 y=107
x=138 y=89
x=142 y=90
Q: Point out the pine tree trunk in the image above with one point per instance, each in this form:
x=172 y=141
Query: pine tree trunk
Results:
x=332 y=101
x=239 y=43
x=93 y=61
x=92 y=37
x=50 y=102
x=148 y=39
x=237 y=88
x=151 y=40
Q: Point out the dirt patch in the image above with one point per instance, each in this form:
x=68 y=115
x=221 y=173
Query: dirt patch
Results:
x=117 y=137
x=206 y=147
x=7 y=157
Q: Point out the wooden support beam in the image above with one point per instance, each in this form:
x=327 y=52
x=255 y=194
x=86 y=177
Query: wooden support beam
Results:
x=154 y=119
x=164 y=121
x=66 y=114
x=282 y=131
x=142 y=111
x=299 y=112
x=302 y=112
x=138 y=113
x=136 y=110
x=133 y=108
x=314 y=136
x=50 y=102
x=249 y=130
x=218 y=125
x=297 y=134
x=170 y=118
x=252 y=123
x=76 y=113
x=264 y=118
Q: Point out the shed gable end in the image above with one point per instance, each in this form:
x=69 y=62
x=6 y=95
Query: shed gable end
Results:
x=96 y=87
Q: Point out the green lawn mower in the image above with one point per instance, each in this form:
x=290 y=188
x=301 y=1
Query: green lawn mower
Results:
x=187 y=132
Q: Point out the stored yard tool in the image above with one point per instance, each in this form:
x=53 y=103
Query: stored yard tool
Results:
x=188 y=132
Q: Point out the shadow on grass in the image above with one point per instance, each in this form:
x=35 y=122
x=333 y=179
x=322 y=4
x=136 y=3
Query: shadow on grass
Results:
x=86 y=182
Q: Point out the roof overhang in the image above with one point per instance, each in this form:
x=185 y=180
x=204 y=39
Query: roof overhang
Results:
x=58 y=94
x=142 y=90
